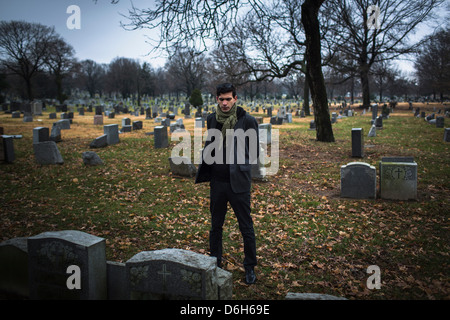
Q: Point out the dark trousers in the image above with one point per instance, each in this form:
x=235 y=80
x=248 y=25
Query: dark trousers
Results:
x=221 y=194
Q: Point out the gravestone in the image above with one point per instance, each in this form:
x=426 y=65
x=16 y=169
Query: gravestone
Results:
x=374 y=111
x=398 y=178
x=126 y=122
x=127 y=128
x=98 y=119
x=357 y=142
x=199 y=122
x=372 y=131
x=379 y=123
x=439 y=122
x=173 y=274
x=112 y=133
x=50 y=254
x=7 y=149
x=47 y=152
x=14 y=267
x=312 y=125
x=182 y=166
x=358 y=181
x=90 y=158
x=137 y=125
x=27 y=117
x=15 y=114
x=99 y=142
x=63 y=124
x=447 y=135
x=265 y=133
x=40 y=134
x=55 y=135
x=52 y=115
x=161 y=137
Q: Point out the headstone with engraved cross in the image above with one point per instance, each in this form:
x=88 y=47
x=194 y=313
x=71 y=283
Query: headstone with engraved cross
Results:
x=398 y=178
x=172 y=274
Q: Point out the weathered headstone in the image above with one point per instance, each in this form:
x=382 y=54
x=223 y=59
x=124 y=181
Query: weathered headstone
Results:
x=98 y=119
x=182 y=166
x=47 y=152
x=55 y=135
x=358 y=181
x=439 y=122
x=357 y=142
x=161 y=137
x=398 y=180
x=90 y=158
x=112 y=133
x=67 y=265
x=171 y=274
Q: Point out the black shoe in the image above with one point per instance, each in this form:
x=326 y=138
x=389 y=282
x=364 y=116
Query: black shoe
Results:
x=250 y=277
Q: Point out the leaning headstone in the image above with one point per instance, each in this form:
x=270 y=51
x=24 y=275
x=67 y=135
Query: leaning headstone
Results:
x=357 y=142
x=90 y=158
x=67 y=265
x=40 y=134
x=112 y=133
x=14 y=267
x=372 y=131
x=55 y=135
x=161 y=137
x=99 y=142
x=398 y=180
x=358 y=181
x=182 y=166
x=47 y=152
x=173 y=274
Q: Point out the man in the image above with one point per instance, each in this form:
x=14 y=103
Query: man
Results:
x=230 y=174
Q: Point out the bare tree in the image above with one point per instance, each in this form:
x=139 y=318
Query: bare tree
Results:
x=24 y=47
x=92 y=76
x=266 y=35
x=433 y=64
x=368 y=32
x=60 y=61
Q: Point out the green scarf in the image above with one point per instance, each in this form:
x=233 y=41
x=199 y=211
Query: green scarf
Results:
x=227 y=119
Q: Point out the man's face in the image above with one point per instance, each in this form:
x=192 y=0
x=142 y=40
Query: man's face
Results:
x=226 y=101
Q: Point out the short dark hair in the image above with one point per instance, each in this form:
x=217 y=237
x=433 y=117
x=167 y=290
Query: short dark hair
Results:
x=225 y=88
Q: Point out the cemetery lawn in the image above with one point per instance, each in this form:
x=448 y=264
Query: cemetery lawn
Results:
x=308 y=238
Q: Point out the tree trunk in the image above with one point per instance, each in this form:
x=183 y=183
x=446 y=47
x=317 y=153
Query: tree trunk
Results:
x=364 y=74
x=324 y=131
x=306 y=95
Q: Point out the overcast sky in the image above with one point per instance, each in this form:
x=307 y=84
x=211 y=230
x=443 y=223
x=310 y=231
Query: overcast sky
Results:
x=100 y=37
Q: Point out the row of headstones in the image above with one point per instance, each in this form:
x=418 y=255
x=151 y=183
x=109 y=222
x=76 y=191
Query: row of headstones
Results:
x=438 y=121
x=72 y=264
x=397 y=181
